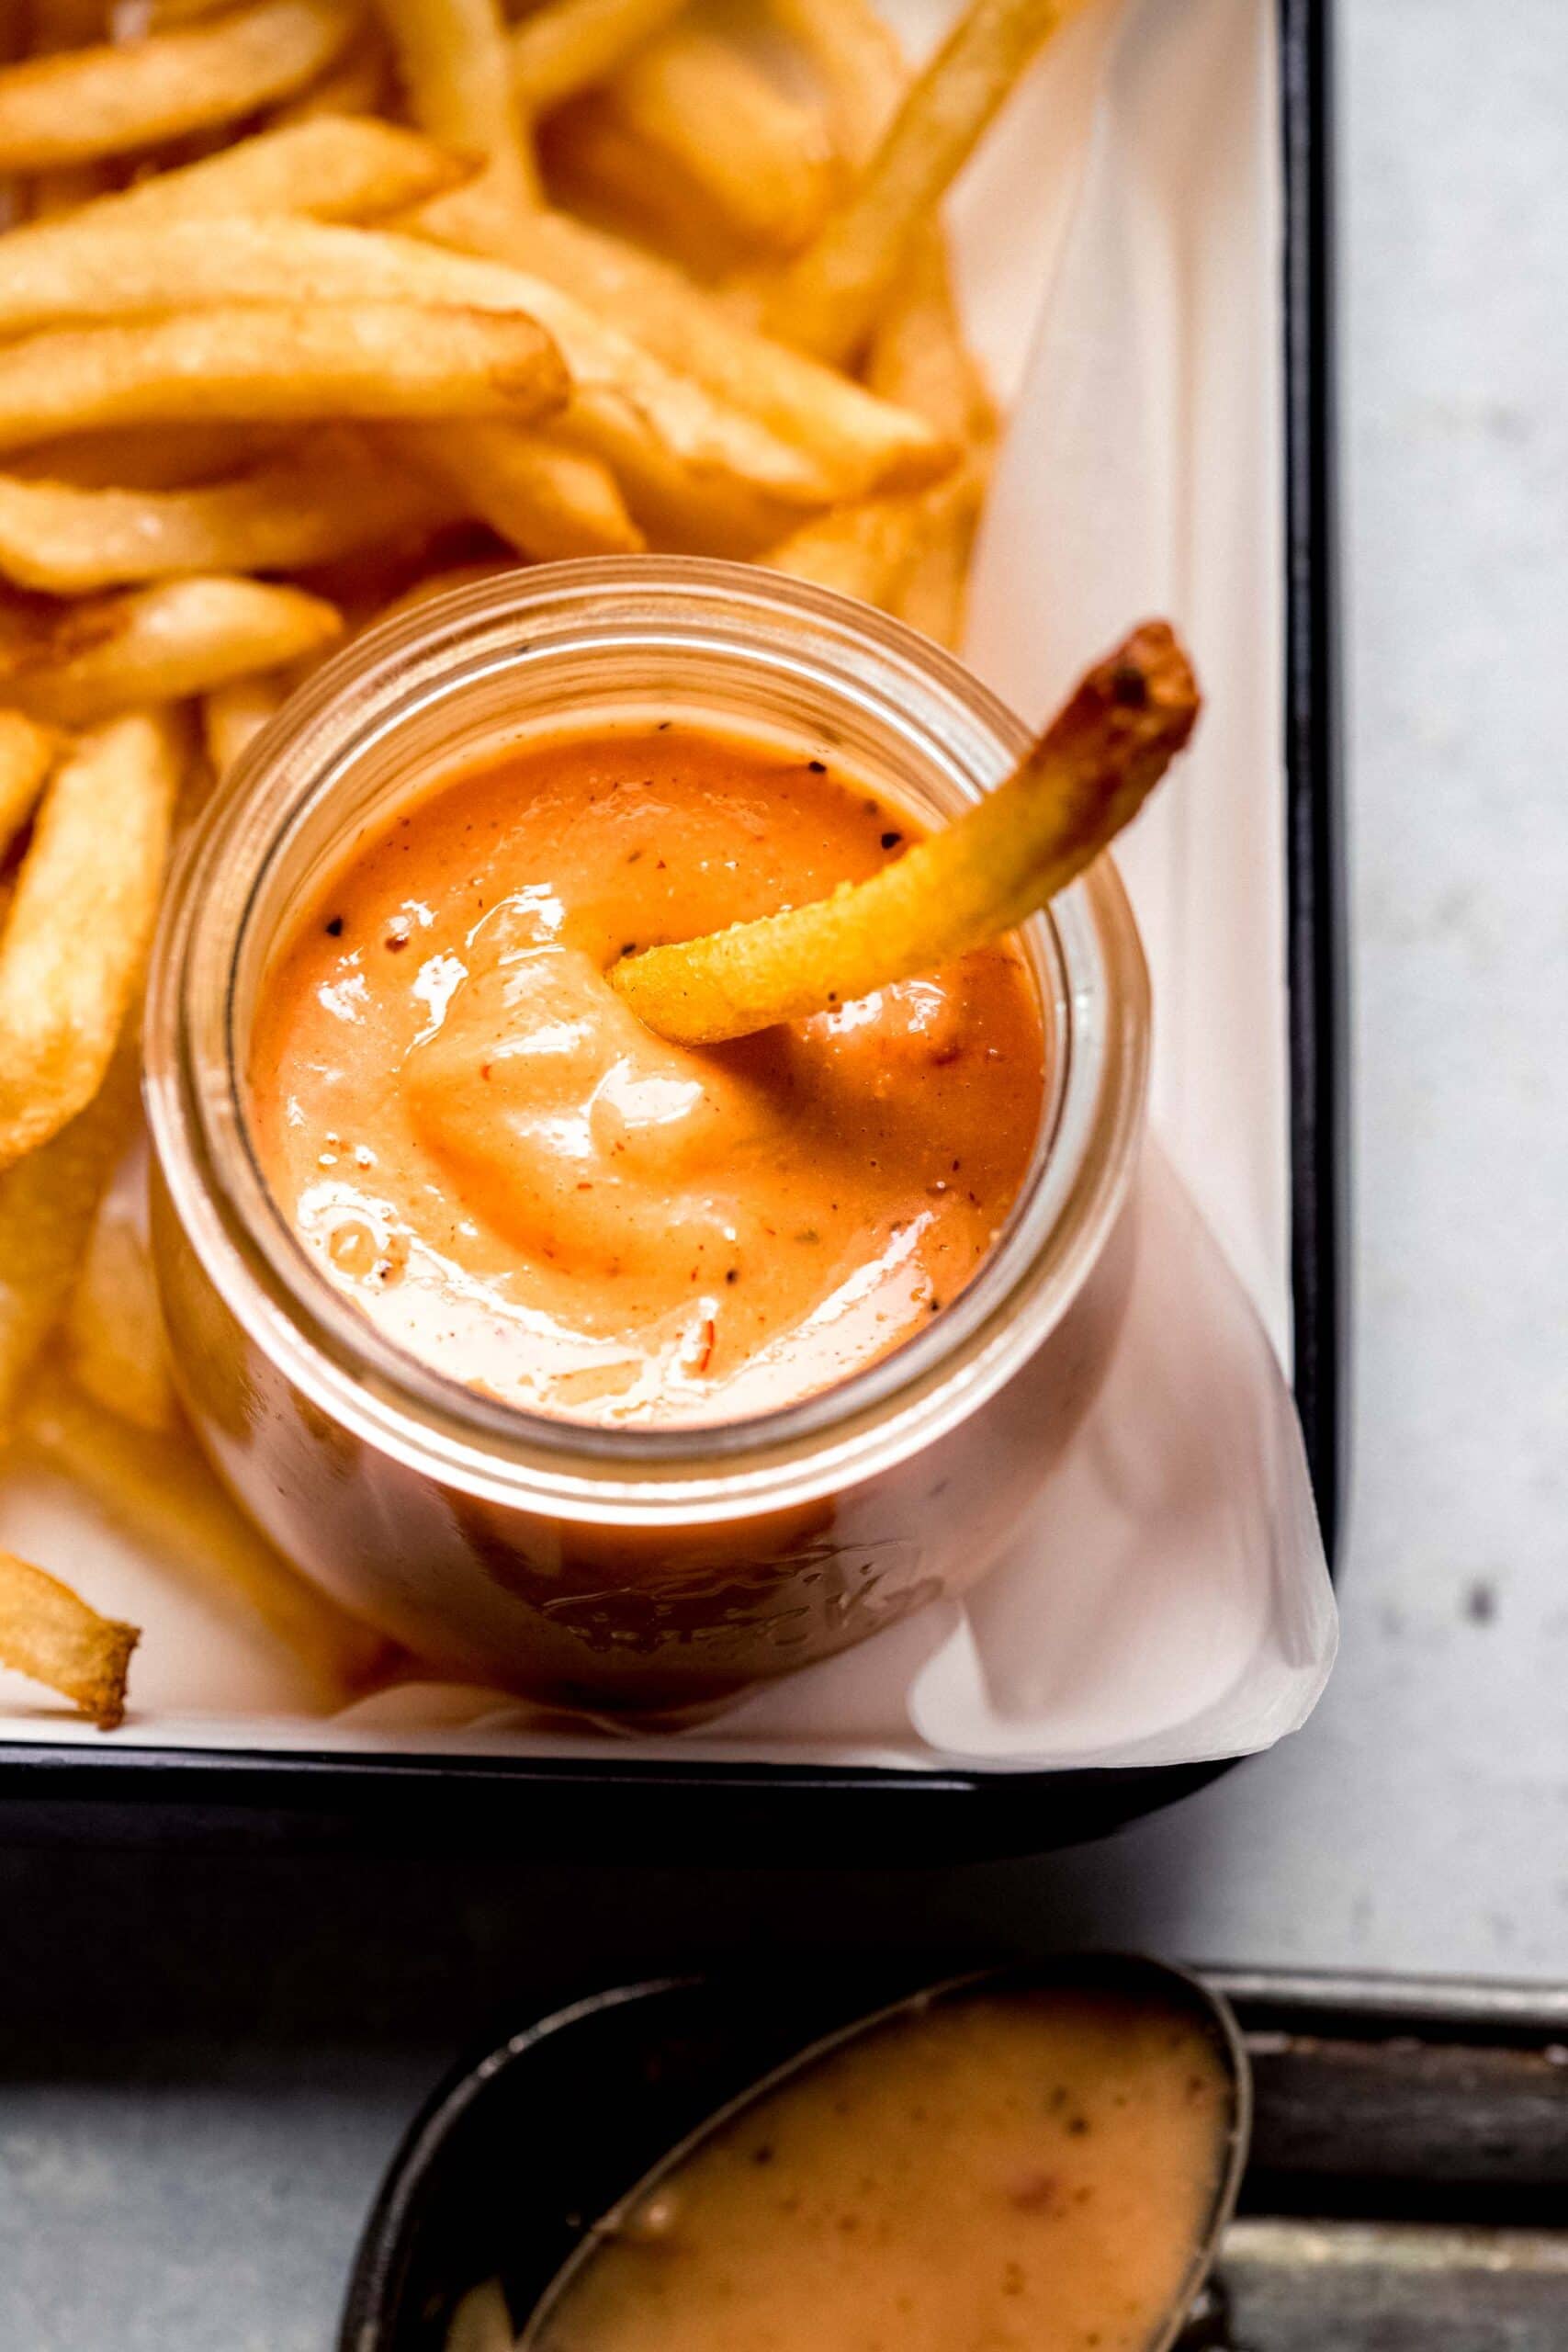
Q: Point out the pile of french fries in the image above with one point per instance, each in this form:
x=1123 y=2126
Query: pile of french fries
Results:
x=309 y=306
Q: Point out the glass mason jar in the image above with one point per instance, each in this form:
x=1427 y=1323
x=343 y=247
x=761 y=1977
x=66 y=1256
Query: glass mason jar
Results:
x=618 y=1569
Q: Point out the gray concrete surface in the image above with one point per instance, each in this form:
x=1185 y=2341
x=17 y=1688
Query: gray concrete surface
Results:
x=205 y=2062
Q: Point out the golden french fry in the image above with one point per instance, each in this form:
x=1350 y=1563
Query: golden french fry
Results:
x=918 y=354
x=827 y=300
x=110 y=99
x=567 y=45
x=50 y=1634
x=1086 y=778
x=858 y=61
x=605 y=172
x=863 y=442
x=48 y=1203
x=356 y=84
x=115 y=1343
x=233 y=715
x=78 y=929
x=90 y=661
x=334 y=169
x=933 y=593
x=324 y=501
x=707 y=113
x=685 y=457
x=150 y=457
x=287 y=362
x=546 y=501
x=27 y=755
x=159 y=1489
x=867 y=549
x=457 y=69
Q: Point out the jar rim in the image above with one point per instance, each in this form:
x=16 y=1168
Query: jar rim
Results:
x=421 y=661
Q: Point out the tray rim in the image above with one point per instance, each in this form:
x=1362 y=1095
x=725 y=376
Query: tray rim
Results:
x=218 y=1792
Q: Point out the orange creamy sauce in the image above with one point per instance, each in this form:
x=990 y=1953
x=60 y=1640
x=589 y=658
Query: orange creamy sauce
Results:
x=530 y=1192
x=1023 y=2173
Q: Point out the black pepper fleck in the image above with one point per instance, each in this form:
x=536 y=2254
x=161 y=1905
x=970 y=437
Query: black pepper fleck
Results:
x=891 y=841
x=818 y=767
x=334 y=928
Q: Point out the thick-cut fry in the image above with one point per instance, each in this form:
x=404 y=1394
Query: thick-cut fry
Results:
x=864 y=443
x=481 y=2321
x=546 y=502
x=49 y=1634
x=827 y=299
x=705 y=111
x=326 y=500
x=90 y=661
x=601 y=170
x=372 y=360
x=113 y=99
x=233 y=715
x=567 y=45
x=27 y=755
x=1086 y=778
x=74 y=940
x=161 y=1492
x=48 y=1203
x=115 y=1342
x=456 y=69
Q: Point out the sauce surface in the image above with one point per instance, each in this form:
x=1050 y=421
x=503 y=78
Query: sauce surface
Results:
x=527 y=1190
x=1020 y=2173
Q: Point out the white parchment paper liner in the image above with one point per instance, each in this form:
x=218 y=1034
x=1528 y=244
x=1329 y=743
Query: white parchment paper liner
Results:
x=1117 y=243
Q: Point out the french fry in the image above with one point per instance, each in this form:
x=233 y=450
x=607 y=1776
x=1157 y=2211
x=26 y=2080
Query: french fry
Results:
x=27 y=755
x=284 y=363
x=89 y=662
x=78 y=929
x=933 y=593
x=867 y=549
x=322 y=502
x=600 y=169
x=858 y=61
x=691 y=460
x=917 y=354
x=827 y=300
x=161 y=1491
x=232 y=716
x=48 y=1203
x=50 y=1634
x=457 y=69
x=707 y=113
x=334 y=169
x=863 y=442
x=567 y=45
x=546 y=501
x=1086 y=778
x=112 y=99
x=356 y=84
x=115 y=1344
x=150 y=457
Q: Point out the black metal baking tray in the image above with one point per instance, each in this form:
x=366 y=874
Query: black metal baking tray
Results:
x=1407 y=2190
x=608 y=1810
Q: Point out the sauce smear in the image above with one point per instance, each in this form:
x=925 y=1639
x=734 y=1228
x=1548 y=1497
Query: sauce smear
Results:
x=530 y=1192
